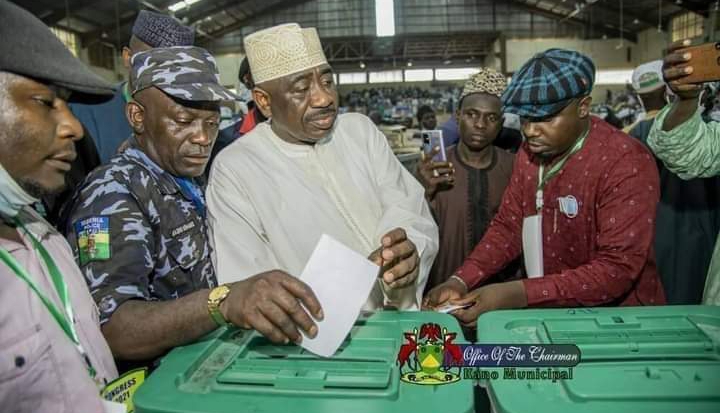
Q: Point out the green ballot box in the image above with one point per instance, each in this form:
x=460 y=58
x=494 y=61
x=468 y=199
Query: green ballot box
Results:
x=632 y=359
x=236 y=370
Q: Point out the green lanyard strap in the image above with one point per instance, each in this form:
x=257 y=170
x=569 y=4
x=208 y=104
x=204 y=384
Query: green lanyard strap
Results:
x=544 y=178
x=127 y=97
x=63 y=318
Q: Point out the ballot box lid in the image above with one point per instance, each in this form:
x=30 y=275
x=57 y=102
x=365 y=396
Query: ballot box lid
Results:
x=238 y=370
x=632 y=359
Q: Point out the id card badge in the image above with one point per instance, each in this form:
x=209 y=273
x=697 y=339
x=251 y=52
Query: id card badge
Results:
x=114 y=407
x=121 y=390
x=533 y=246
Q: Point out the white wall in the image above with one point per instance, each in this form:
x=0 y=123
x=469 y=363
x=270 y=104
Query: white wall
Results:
x=228 y=66
x=493 y=60
x=112 y=76
x=651 y=45
x=605 y=53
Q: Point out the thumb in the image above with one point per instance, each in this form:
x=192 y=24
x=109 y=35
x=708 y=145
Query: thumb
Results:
x=443 y=297
x=467 y=299
x=375 y=256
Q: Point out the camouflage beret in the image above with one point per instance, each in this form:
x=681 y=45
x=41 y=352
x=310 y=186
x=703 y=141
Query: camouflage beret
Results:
x=161 y=30
x=184 y=72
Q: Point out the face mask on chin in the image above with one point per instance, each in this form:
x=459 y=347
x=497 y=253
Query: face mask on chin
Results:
x=714 y=115
x=12 y=196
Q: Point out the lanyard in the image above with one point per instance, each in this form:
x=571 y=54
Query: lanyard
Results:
x=195 y=193
x=544 y=178
x=64 y=318
x=187 y=186
x=126 y=93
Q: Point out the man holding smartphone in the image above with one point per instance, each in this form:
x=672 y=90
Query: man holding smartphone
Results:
x=688 y=146
x=464 y=192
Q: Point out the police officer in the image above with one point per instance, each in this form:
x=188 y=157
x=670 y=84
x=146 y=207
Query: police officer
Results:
x=138 y=227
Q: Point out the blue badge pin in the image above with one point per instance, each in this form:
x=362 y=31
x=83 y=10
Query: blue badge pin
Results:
x=568 y=206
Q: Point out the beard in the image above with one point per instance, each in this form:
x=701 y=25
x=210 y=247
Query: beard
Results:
x=36 y=190
x=14 y=135
x=544 y=156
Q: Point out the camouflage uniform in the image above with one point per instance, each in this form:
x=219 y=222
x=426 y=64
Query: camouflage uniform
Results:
x=137 y=231
x=157 y=242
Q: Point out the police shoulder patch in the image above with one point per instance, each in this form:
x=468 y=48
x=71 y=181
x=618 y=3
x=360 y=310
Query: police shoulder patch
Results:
x=93 y=239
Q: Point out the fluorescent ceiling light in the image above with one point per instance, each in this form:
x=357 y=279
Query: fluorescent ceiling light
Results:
x=387 y=76
x=384 y=18
x=353 y=78
x=613 y=77
x=457 y=73
x=181 y=5
x=418 y=75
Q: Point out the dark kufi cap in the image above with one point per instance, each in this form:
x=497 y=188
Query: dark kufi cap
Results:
x=161 y=30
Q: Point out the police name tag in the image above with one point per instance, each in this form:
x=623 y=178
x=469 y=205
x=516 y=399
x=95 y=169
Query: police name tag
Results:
x=113 y=407
x=182 y=228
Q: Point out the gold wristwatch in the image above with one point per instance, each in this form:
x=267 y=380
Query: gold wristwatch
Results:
x=217 y=295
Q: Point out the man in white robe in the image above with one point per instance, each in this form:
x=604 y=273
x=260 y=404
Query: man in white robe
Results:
x=308 y=172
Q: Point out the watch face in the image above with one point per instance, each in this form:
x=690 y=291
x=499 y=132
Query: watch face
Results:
x=219 y=293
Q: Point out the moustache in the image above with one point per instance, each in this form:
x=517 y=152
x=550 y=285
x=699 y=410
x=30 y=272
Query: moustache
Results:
x=321 y=114
x=196 y=151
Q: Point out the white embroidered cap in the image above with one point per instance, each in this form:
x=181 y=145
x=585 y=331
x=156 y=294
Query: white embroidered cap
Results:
x=283 y=50
x=648 y=77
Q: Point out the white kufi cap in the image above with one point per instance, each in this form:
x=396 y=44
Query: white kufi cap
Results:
x=283 y=50
x=648 y=77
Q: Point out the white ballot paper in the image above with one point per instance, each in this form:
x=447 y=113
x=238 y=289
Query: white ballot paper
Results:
x=449 y=308
x=532 y=246
x=341 y=280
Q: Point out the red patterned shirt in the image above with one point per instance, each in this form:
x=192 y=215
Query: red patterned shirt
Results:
x=602 y=256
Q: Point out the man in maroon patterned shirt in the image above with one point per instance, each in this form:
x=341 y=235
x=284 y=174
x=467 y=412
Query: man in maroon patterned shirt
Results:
x=595 y=205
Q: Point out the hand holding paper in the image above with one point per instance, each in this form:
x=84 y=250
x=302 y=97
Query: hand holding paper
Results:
x=341 y=280
x=449 y=308
x=399 y=259
x=498 y=296
x=268 y=303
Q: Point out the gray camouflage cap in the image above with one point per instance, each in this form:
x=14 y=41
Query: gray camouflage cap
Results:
x=184 y=72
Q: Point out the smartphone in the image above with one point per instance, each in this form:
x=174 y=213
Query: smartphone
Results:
x=432 y=139
x=705 y=61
